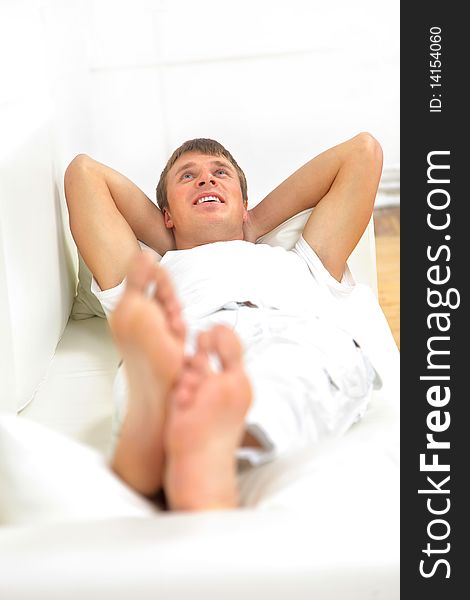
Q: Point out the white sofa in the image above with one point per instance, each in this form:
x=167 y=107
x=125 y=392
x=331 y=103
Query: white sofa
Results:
x=320 y=523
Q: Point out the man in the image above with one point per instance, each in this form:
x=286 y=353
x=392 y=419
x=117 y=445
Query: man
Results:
x=282 y=371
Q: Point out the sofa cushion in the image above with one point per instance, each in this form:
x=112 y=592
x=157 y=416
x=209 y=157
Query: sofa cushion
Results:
x=75 y=394
x=46 y=476
x=86 y=304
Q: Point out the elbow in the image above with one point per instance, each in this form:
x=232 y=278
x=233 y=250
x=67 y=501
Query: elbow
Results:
x=78 y=164
x=370 y=149
x=75 y=170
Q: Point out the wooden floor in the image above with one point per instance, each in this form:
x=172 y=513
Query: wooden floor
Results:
x=387 y=240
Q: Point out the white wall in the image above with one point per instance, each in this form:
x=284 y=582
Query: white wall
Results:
x=275 y=81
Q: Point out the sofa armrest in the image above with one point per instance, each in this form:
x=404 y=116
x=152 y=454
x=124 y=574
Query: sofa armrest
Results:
x=36 y=265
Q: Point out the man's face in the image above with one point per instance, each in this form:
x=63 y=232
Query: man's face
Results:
x=205 y=202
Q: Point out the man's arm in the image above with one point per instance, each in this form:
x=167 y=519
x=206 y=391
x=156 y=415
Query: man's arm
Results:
x=342 y=184
x=108 y=214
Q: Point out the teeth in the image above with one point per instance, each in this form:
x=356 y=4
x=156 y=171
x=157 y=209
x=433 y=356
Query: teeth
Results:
x=208 y=199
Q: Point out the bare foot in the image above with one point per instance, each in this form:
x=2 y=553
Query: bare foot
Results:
x=205 y=425
x=150 y=334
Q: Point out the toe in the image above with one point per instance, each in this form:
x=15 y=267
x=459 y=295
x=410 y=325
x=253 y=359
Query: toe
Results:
x=140 y=272
x=180 y=398
x=165 y=294
x=226 y=344
x=204 y=341
x=190 y=380
x=176 y=322
x=200 y=359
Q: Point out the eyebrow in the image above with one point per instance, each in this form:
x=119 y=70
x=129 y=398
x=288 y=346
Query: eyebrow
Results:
x=217 y=163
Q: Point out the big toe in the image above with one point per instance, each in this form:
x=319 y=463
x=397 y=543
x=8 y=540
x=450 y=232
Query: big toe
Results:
x=140 y=272
x=227 y=346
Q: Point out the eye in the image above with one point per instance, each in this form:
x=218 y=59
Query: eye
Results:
x=187 y=176
x=221 y=172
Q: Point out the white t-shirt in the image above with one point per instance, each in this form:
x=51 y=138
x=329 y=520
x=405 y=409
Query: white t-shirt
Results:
x=211 y=276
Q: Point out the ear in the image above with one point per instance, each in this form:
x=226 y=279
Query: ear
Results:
x=167 y=219
x=245 y=211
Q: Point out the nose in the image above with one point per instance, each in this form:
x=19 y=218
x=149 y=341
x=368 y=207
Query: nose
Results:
x=206 y=179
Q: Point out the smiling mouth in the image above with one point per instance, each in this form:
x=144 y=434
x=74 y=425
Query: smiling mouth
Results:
x=207 y=200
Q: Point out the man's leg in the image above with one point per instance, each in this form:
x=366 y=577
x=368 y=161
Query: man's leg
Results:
x=205 y=412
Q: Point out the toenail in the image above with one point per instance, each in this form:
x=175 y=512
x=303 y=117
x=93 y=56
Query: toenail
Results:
x=214 y=363
x=150 y=289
